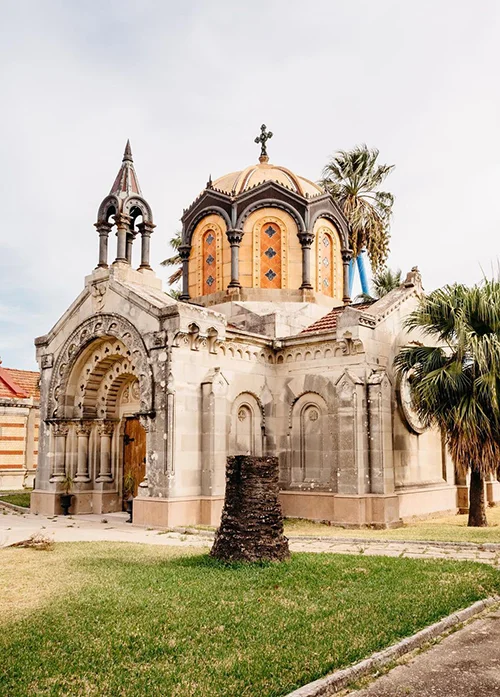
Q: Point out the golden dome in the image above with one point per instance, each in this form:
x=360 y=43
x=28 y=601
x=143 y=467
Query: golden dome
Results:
x=237 y=182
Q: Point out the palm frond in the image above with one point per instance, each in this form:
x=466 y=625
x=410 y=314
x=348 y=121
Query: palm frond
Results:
x=456 y=384
x=353 y=177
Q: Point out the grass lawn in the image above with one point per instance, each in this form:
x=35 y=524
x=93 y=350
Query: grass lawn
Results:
x=18 y=498
x=111 y=620
x=447 y=529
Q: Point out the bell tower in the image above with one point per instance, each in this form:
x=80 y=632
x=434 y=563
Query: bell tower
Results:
x=127 y=211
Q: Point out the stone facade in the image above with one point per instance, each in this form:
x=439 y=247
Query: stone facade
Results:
x=286 y=372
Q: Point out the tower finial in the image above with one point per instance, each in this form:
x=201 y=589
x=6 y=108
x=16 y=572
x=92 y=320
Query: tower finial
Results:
x=262 y=139
x=127 y=155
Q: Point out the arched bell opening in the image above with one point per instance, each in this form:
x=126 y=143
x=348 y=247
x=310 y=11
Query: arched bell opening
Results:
x=136 y=220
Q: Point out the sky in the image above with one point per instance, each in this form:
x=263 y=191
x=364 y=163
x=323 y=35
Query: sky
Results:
x=191 y=82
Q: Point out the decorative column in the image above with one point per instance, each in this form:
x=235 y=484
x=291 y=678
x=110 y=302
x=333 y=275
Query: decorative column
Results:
x=123 y=229
x=103 y=229
x=145 y=421
x=213 y=433
x=306 y=239
x=60 y=430
x=234 y=238
x=145 y=229
x=379 y=422
x=346 y=260
x=184 y=253
x=82 y=468
x=105 y=432
x=130 y=242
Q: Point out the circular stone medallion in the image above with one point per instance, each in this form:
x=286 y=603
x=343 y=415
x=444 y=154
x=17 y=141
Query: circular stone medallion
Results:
x=409 y=415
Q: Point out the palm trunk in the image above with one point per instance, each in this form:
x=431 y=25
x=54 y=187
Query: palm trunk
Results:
x=477 y=501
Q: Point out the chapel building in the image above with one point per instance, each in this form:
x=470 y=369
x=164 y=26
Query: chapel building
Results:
x=263 y=354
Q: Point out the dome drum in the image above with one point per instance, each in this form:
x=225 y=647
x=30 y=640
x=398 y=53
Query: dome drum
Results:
x=264 y=233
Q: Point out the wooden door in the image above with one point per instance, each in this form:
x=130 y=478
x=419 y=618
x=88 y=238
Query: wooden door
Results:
x=134 y=457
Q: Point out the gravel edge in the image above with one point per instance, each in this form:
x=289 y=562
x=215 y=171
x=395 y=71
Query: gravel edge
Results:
x=415 y=543
x=13 y=507
x=361 y=540
x=340 y=679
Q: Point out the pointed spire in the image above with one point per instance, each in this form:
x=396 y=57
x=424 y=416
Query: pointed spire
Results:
x=127 y=155
x=126 y=182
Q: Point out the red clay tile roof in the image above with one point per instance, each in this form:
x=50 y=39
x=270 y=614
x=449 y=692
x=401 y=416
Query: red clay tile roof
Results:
x=328 y=323
x=19 y=383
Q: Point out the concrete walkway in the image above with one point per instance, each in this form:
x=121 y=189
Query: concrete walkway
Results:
x=112 y=527
x=464 y=664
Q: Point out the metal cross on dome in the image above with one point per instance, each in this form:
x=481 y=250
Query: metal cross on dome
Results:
x=262 y=139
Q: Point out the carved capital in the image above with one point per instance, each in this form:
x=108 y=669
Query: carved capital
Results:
x=346 y=256
x=60 y=428
x=234 y=237
x=145 y=422
x=146 y=228
x=306 y=238
x=123 y=220
x=184 y=251
x=106 y=428
x=83 y=428
x=103 y=228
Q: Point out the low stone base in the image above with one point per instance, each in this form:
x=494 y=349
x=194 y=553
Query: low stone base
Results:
x=48 y=502
x=346 y=511
x=169 y=513
x=492 y=496
x=493 y=493
x=13 y=480
x=424 y=500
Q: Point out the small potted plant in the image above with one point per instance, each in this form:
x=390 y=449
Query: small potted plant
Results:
x=128 y=491
x=66 y=497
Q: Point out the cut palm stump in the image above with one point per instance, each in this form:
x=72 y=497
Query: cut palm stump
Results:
x=251 y=527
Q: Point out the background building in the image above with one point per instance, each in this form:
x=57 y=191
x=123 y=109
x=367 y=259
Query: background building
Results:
x=19 y=424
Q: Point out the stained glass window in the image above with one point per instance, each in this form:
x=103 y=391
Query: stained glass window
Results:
x=270 y=259
x=209 y=267
x=326 y=260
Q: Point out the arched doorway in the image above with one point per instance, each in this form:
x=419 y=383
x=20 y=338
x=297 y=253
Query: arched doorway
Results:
x=133 y=470
x=95 y=408
x=134 y=457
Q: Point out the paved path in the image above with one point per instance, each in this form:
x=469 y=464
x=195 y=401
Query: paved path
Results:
x=417 y=550
x=112 y=527
x=464 y=664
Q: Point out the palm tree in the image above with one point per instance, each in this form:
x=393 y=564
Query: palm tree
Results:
x=383 y=282
x=455 y=384
x=353 y=178
x=175 y=259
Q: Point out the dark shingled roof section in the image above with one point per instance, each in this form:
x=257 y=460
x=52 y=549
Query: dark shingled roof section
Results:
x=328 y=323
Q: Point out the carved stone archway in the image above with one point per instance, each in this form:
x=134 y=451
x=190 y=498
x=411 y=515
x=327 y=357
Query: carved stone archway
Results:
x=73 y=356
